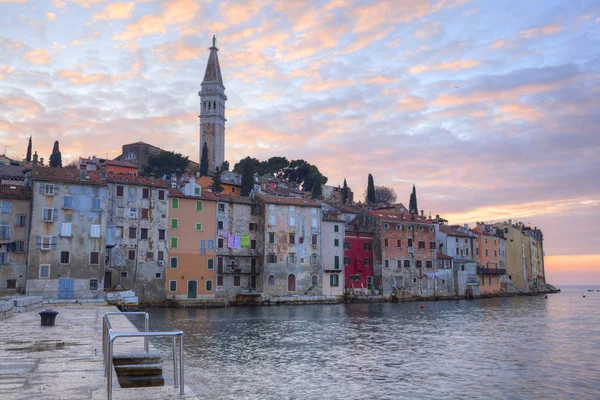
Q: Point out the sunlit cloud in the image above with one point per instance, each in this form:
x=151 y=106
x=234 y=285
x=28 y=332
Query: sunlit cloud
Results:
x=450 y=66
x=59 y=4
x=50 y=16
x=115 y=11
x=5 y=70
x=38 y=57
x=544 y=30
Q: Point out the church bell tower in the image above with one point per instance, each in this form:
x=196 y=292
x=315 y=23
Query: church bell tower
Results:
x=212 y=111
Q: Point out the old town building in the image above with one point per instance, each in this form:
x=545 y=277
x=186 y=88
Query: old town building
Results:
x=291 y=228
x=67 y=240
x=516 y=265
x=192 y=244
x=358 y=259
x=489 y=265
x=332 y=241
x=459 y=244
x=240 y=246
x=15 y=201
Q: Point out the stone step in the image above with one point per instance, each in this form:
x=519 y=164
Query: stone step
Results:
x=141 y=381
x=136 y=358
x=139 y=369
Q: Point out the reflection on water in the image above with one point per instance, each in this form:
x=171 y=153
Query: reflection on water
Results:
x=504 y=348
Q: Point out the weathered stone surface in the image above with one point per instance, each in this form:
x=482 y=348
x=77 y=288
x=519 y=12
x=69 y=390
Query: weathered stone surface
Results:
x=139 y=369
x=136 y=358
x=141 y=381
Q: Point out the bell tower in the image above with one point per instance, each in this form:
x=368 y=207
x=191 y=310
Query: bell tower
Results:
x=212 y=111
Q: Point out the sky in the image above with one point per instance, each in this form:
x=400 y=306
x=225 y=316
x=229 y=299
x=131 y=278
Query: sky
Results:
x=491 y=108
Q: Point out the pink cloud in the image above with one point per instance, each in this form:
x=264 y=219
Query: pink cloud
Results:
x=115 y=11
x=38 y=57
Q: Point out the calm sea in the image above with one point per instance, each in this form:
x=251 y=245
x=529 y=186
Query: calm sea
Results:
x=504 y=348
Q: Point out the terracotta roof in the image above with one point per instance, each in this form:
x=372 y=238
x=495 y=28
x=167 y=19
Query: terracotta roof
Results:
x=238 y=200
x=341 y=221
x=121 y=164
x=398 y=217
x=345 y=208
x=443 y=256
x=13 y=172
x=205 y=195
x=292 y=201
x=93 y=177
x=454 y=232
x=477 y=230
x=15 y=191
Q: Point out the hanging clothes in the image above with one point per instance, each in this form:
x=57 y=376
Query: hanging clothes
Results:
x=237 y=243
x=245 y=240
x=231 y=242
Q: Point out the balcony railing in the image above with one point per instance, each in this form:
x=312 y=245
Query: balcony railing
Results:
x=491 y=271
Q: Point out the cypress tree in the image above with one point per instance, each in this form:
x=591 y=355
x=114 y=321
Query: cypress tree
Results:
x=216 y=183
x=247 y=179
x=371 y=190
x=412 y=204
x=56 y=157
x=204 y=160
x=317 y=190
x=345 y=192
x=28 y=158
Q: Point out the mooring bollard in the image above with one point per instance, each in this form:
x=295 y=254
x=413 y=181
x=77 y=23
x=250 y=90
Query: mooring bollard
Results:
x=48 y=317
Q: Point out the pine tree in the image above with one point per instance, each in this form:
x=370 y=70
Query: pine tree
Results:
x=204 y=161
x=345 y=192
x=317 y=189
x=412 y=204
x=56 y=157
x=216 y=183
x=247 y=179
x=371 y=190
x=28 y=158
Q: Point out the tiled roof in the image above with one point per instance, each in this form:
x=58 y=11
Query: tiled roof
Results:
x=15 y=192
x=13 y=172
x=237 y=200
x=477 y=230
x=121 y=164
x=454 y=232
x=93 y=177
x=443 y=256
x=292 y=201
x=345 y=208
x=398 y=217
x=205 y=195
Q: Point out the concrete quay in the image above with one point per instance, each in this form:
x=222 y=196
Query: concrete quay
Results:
x=65 y=361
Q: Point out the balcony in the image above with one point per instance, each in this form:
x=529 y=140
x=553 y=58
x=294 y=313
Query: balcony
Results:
x=490 y=271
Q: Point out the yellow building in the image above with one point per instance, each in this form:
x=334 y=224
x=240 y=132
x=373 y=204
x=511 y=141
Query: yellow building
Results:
x=230 y=182
x=515 y=254
x=192 y=234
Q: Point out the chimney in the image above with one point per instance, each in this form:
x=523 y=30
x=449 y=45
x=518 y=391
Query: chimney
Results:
x=103 y=171
x=422 y=213
x=82 y=175
x=35 y=159
x=152 y=178
x=437 y=216
x=466 y=226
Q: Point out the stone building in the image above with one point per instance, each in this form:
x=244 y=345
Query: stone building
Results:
x=137 y=213
x=137 y=155
x=516 y=266
x=332 y=251
x=240 y=246
x=487 y=253
x=67 y=239
x=192 y=236
x=291 y=229
x=15 y=201
x=212 y=111
x=459 y=245
x=404 y=254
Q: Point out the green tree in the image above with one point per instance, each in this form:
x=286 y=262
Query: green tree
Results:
x=225 y=166
x=371 y=190
x=317 y=189
x=247 y=179
x=385 y=195
x=216 y=182
x=56 y=157
x=167 y=163
x=412 y=204
x=28 y=158
x=254 y=163
x=204 y=161
x=345 y=192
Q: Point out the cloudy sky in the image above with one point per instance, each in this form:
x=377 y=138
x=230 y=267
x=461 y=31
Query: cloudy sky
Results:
x=490 y=107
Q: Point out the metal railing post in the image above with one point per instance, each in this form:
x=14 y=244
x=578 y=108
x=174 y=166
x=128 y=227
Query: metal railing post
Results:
x=175 y=361
x=146 y=339
x=181 y=381
x=109 y=366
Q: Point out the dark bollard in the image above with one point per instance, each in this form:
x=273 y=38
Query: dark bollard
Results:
x=48 y=317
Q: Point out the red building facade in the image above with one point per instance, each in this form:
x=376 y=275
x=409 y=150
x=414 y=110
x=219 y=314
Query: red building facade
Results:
x=358 y=260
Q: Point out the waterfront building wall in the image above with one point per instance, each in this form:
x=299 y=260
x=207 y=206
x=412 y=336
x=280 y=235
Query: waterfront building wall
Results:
x=358 y=260
x=332 y=239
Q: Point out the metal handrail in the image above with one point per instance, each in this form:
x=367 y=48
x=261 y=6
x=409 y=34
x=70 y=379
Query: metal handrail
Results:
x=113 y=336
x=106 y=327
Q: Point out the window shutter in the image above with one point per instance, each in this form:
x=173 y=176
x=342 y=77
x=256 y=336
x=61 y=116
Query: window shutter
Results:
x=53 y=242
x=56 y=190
x=9 y=207
x=38 y=242
x=42 y=188
x=55 y=214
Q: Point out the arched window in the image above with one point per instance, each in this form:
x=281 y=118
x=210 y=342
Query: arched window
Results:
x=204 y=106
x=314 y=281
x=271 y=280
x=130 y=156
x=214 y=105
x=291 y=283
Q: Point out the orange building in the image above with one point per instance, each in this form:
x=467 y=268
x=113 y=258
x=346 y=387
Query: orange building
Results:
x=230 y=182
x=487 y=252
x=121 y=167
x=192 y=235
